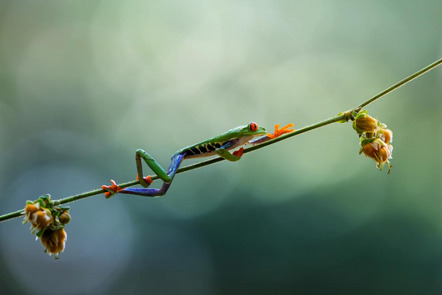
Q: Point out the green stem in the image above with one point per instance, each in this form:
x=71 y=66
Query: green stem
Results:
x=343 y=117
x=401 y=83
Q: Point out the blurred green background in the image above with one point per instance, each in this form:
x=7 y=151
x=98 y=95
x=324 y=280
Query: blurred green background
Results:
x=85 y=83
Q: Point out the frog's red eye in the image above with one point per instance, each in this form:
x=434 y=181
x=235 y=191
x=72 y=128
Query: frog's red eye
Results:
x=253 y=126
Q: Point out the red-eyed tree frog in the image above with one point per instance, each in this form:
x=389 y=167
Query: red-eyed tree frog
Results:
x=219 y=145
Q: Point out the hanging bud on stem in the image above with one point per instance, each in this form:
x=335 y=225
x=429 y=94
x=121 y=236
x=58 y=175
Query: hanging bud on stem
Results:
x=54 y=241
x=365 y=123
x=375 y=139
x=379 y=151
x=47 y=223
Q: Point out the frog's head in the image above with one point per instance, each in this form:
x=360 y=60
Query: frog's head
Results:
x=252 y=130
x=243 y=133
x=246 y=133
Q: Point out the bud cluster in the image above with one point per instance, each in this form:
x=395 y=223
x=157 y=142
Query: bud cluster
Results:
x=47 y=223
x=375 y=139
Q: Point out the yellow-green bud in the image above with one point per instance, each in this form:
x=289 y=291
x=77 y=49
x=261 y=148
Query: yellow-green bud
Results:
x=64 y=218
x=365 y=123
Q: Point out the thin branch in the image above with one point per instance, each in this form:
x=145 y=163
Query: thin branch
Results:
x=401 y=83
x=342 y=117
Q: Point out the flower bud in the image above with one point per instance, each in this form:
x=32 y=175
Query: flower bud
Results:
x=47 y=223
x=378 y=150
x=386 y=135
x=39 y=218
x=30 y=208
x=364 y=123
x=54 y=241
x=64 y=218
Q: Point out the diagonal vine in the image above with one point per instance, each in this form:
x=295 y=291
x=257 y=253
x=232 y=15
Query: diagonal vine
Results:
x=343 y=117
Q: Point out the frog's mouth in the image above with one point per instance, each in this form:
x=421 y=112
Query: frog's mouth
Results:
x=253 y=139
x=259 y=138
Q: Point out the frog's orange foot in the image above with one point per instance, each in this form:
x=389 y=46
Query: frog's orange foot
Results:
x=148 y=181
x=280 y=131
x=239 y=152
x=111 y=189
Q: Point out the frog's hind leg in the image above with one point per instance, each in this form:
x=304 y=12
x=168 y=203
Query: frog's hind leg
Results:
x=166 y=177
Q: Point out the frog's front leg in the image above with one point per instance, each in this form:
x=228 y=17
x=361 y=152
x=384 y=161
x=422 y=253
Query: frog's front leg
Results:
x=225 y=154
x=277 y=133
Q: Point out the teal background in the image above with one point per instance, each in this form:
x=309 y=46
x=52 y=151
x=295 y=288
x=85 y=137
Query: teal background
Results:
x=85 y=83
